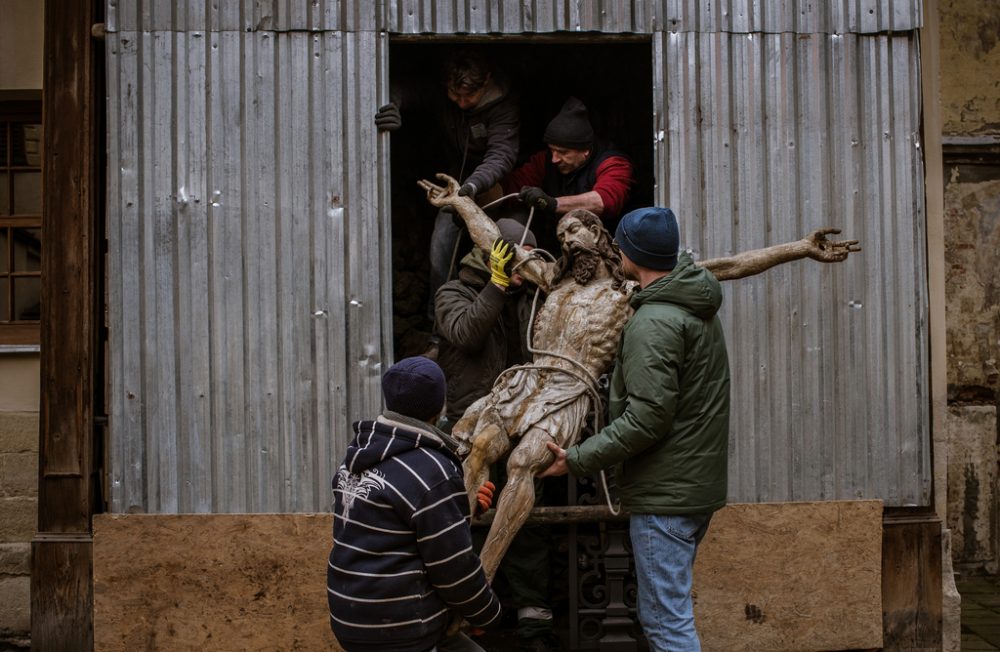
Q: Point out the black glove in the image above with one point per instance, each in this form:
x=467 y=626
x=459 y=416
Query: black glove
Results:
x=534 y=196
x=468 y=190
x=387 y=118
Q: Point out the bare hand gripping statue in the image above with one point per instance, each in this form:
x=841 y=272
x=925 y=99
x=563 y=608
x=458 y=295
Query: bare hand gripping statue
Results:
x=575 y=337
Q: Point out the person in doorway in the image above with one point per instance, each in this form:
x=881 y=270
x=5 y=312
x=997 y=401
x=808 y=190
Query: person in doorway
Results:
x=669 y=428
x=482 y=318
x=478 y=113
x=402 y=565
x=574 y=172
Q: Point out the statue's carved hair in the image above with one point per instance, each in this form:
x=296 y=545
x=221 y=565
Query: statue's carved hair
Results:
x=606 y=249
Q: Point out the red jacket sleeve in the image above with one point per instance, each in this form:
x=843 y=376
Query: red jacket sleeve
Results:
x=531 y=173
x=614 y=179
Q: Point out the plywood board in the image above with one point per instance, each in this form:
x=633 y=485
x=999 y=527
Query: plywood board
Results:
x=211 y=582
x=791 y=576
x=782 y=576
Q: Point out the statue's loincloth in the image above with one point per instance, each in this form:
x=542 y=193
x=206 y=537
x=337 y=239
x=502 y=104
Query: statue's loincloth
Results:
x=551 y=400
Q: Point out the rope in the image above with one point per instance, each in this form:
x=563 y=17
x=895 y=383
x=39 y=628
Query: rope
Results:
x=589 y=382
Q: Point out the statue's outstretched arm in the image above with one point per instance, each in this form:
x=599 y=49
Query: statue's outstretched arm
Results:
x=814 y=246
x=483 y=230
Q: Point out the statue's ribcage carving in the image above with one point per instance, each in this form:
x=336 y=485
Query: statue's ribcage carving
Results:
x=582 y=323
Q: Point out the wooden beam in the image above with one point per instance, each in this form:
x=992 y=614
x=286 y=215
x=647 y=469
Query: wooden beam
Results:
x=62 y=550
x=912 y=616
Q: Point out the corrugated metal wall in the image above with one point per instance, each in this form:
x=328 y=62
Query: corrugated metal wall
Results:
x=248 y=287
x=248 y=233
x=767 y=137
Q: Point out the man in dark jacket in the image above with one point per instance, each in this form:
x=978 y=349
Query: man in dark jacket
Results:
x=575 y=172
x=482 y=323
x=482 y=318
x=402 y=565
x=669 y=429
x=480 y=121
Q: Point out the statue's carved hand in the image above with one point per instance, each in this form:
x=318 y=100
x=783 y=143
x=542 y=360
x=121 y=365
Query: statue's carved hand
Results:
x=439 y=196
x=829 y=251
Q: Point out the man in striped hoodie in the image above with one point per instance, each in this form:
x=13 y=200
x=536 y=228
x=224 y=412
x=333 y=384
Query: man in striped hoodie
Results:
x=402 y=565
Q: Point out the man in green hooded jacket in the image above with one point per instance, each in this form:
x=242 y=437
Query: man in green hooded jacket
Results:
x=669 y=428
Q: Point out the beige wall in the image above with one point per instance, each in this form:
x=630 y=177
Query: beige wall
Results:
x=21 y=44
x=20 y=68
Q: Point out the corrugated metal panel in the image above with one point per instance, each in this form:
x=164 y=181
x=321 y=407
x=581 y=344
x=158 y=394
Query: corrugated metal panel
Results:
x=248 y=330
x=768 y=137
x=798 y=16
x=248 y=265
x=636 y=16
x=519 y=16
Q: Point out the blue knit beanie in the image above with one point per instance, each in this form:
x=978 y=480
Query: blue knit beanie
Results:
x=414 y=387
x=650 y=238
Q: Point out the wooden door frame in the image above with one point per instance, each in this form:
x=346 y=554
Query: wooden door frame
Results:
x=62 y=550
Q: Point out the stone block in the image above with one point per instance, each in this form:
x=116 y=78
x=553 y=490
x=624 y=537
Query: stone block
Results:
x=18 y=432
x=20 y=387
x=969 y=56
x=15 y=607
x=972 y=484
x=15 y=558
x=18 y=474
x=972 y=285
x=18 y=519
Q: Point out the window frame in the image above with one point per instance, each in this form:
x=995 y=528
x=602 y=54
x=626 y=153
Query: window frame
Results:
x=20 y=332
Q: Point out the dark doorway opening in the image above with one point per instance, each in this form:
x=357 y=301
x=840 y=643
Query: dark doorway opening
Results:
x=611 y=75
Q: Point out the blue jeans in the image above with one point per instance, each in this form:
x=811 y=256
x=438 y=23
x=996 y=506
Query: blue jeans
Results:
x=443 y=240
x=664 y=548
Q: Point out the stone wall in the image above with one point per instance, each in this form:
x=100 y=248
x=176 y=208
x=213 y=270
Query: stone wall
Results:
x=970 y=58
x=970 y=102
x=18 y=493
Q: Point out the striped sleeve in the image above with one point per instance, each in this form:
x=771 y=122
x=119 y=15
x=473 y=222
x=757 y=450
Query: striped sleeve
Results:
x=444 y=541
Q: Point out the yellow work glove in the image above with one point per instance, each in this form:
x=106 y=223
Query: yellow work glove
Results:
x=500 y=256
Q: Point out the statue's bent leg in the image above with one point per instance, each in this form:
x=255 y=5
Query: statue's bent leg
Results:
x=489 y=444
x=529 y=457
x=465 y=427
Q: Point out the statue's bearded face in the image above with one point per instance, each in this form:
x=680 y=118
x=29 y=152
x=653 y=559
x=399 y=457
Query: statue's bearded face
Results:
x=586 y=250
x=574 y=236
x=579 y=246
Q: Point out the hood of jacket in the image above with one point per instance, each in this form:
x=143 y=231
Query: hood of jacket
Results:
x=497 y=89
x=479 y=269
x=392 y=435
x=688 y=286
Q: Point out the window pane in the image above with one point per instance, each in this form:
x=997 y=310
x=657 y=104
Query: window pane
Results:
x=4 y=263
x=27 y=250
x=4 y=297
x=32 y=141
x=27 y=295
x=4 y=194
x=27 y=193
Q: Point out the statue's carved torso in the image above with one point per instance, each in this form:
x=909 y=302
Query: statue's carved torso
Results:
x=582 y=322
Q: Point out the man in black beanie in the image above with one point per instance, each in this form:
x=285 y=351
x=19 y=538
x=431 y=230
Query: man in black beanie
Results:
x=576 y=171
x=402 y=565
